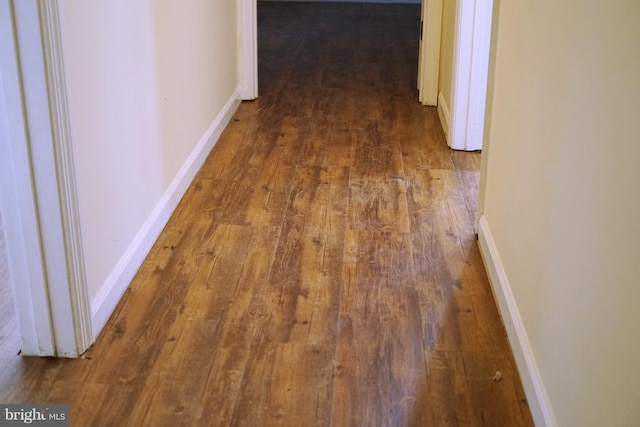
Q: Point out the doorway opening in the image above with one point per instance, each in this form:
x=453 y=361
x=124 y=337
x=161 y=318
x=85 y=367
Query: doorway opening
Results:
x=347 y=47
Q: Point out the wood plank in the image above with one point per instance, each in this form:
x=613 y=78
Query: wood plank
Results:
x=376 y=154
x=467 y=166
x=423 y=147
x=497 y=401
x=377 y=204
x=295 y=386
x=380 y=365
x=140 y=328
x=448 y=392
x=258 y=198
x=328 y=142
x=218 y=310
x=442 y=237
x=28 y=379
x=96 y=404
x=377 y=192
x=220 y=163
x=337 y=106
x=304 y=289
x=277 y=141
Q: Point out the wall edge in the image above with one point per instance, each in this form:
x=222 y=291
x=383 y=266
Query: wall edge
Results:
x=541 y=408
x=105 y=302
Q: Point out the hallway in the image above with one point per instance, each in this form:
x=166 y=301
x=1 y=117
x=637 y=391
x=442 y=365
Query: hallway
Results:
x=322 y=268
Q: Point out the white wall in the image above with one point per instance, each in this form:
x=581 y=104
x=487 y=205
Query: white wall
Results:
x=562 y=202
x=151 y=84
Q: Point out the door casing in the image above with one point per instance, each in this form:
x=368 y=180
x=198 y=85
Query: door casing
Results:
x=37 y=184
x=470 y=66
x=248 y=49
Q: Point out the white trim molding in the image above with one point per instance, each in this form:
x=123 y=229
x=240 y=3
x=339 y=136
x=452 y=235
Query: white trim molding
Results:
x=75 y=313
x=535 y=390
x=470 y=65
x=19 y=208
x=44 y=243
x=248 y=48
x=121 y=276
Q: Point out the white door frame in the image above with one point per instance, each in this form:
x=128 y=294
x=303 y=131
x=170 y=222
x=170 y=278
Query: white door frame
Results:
x=37 y=184
x=248 y=48
x=470 y=66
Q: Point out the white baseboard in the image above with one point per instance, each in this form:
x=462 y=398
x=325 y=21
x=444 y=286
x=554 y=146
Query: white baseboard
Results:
x=121 y=276
x=443 y=114
x=537 y=397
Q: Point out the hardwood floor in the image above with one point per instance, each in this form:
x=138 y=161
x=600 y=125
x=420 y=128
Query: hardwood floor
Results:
x=322 y=268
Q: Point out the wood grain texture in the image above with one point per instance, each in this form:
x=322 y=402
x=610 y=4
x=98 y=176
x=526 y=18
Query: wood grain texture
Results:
x=380 y=370
x=322 y=268
x=304 y=292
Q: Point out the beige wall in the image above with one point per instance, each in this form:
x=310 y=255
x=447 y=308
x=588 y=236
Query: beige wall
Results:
x=146 y=79
x=562 y=197
x=449 y=9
